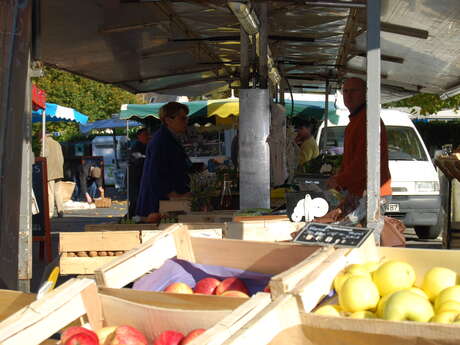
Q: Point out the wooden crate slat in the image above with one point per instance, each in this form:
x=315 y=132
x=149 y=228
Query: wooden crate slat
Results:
x=84 y=265
x=98 y=241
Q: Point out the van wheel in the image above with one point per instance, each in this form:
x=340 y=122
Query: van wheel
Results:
x=427 y=232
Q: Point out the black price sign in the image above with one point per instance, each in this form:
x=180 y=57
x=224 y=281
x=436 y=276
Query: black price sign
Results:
x=331 y=234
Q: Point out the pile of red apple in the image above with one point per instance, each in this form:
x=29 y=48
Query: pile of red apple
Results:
x=230 y=287
x=123 y=335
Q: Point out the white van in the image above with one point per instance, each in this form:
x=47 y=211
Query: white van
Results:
x=414 y=180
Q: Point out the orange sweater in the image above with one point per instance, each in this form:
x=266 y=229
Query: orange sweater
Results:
x=352 y=174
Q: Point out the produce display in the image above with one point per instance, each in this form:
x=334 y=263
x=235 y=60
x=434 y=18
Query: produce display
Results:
x=230 y=287
x=124 y=335
x=92 y=254
x=387 y=291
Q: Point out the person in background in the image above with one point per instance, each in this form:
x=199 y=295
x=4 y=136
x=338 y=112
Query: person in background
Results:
x=306 y=142
x=55 y=168
x=89 y=174
x=352 y=175
x=166 y=165
x=136 y=166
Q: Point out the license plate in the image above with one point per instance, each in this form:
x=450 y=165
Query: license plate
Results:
x=392 y=208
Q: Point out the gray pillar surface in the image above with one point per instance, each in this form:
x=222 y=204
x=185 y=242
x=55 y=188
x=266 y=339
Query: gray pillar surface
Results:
x=254 y=153
x=373 y=112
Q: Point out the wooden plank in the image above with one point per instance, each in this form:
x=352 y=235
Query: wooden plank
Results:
x=139 y=261
x=263 y=328
x=269 y=231
x=259 y=218
x=98 y=241
x=183 y=243
x=37 y=322
x=175 y=205
x=205 y=233
x=263 y=257
x=207 y=217
x=286 y=281
x=84 y=265
x=120 y=227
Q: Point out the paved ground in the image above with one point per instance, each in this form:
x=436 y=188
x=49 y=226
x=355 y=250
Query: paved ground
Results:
x=75 y=221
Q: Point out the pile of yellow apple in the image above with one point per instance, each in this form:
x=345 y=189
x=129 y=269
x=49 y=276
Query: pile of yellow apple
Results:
x=387 y=291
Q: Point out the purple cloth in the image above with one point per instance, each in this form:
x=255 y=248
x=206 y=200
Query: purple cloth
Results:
x=175 y=270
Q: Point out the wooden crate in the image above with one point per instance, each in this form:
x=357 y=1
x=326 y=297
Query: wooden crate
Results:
x=113 y=242
x=150 y=312
x=287 y=262
x=11 y=301
x=288 y=319
x=207 y=217
x=262 y=230
x=175 y=206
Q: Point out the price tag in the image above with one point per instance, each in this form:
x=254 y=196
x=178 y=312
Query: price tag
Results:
x=331 y=234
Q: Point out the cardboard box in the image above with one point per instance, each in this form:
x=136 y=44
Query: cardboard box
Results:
x=289 y=321
x=150 y=312
x=287 y=262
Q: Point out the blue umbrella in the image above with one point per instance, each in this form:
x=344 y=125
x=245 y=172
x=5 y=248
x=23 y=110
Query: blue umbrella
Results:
x=55 y=113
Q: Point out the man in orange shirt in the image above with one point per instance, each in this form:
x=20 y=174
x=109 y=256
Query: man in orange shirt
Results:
x=352 y=175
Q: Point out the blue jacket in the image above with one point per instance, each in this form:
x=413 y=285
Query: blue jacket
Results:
x=166 y=169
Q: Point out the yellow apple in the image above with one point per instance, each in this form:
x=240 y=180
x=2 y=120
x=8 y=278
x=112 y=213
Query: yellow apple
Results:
x=364 y=314
x=448 y=294
x=405 y=305
x=381 y=305
x=371 y=266
x=393 y=276
x=358 y=293
x=349 y=271
x=448 y=306
x=106 y=334
x=438 y=279
x=329 y=310
x=419 y=292
x=445 y=317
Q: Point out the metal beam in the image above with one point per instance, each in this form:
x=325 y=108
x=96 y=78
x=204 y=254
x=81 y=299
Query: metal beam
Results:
x=229 y=38
x=189 y=83
x=388 y=58
x=398 y=29
x=15 y=39
x=170 y=74
x=336 y=4
x=263 y=44
x=373 y=117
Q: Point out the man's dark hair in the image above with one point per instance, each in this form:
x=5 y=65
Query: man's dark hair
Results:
x=304 y=123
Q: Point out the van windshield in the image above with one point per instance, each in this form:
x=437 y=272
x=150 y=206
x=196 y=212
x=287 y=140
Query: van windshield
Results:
x=403 y=143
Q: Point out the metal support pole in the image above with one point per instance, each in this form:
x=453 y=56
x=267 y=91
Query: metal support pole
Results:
x=373 y=113
x=244 y=59
x=326 y=117
x=15 y=38
x=25 y=221
x=263 y=44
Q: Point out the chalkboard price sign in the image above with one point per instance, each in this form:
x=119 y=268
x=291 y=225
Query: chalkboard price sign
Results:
x=331 y=234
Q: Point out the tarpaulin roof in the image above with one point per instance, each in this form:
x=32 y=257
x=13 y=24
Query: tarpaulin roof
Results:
x=227 y=107
x=104 y=124
x=55 y=112
x=192 y=47
x=38 y=98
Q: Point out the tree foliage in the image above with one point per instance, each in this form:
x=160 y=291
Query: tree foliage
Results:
x=429 y=103
x=89 y=97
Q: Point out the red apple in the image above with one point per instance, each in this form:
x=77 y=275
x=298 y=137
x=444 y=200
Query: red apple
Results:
x=127 y=335
x=234 y=293
x=179 y=288
x=169 y=338
x=81 y=339
x=267 y=288
x=192 y=335
x=232 y=283
x=207 y=286
x=71 y=331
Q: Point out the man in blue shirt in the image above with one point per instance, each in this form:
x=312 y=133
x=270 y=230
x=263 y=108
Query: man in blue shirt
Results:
x=166 y=165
